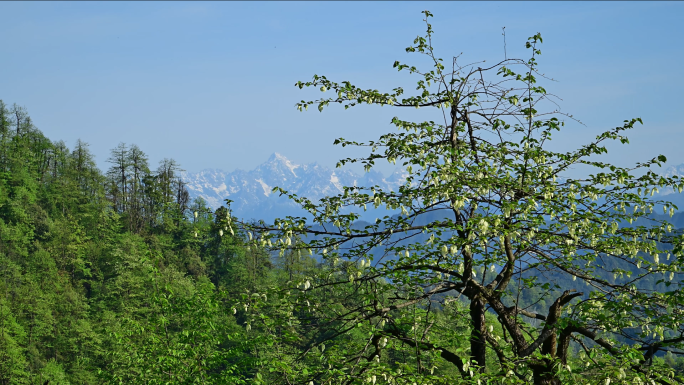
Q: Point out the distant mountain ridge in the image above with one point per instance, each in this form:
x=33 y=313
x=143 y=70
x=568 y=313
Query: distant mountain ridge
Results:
x=677 y=170
x=667 y=193
x=251 y=193
x=252 y=198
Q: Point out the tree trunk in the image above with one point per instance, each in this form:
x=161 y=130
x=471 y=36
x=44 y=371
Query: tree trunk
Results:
x=544 y=374
x=478 y=349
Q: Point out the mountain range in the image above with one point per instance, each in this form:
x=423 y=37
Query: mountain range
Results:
x=251 y=193
x=252 y=198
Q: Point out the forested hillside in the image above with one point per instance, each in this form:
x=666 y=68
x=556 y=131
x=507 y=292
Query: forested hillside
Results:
x=112 y=277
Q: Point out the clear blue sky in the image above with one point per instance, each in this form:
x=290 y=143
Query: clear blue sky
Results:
x=211 y=84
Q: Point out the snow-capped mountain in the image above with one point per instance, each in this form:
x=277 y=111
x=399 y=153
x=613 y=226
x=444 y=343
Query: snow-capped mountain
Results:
x=251 y=193
x=667 y=192
x=677 y=170
x=252 y=198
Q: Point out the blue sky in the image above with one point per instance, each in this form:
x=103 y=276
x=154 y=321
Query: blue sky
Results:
x=212 y=84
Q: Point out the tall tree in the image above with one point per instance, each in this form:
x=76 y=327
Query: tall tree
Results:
x=139 y=171
x=485 y=206
x=174 y=196
x=118 y=175
x=5 y=124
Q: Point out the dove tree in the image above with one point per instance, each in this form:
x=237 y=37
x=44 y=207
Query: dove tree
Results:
x=486 y=216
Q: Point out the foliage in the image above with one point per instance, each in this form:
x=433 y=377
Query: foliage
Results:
x=496 y=269
x=111 y=278
x=485 y=220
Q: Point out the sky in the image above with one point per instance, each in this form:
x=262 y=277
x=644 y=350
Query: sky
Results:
x=211 y=84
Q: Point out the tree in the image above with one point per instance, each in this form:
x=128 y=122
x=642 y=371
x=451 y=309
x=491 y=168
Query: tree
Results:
x=485 y=219
x=118 y=177
x=12 y=361
x=174 y=338
x=139 y=169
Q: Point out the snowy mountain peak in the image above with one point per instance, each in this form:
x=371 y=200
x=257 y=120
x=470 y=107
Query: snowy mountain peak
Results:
x=251 y=194
x=677 y=170
x=279 y=160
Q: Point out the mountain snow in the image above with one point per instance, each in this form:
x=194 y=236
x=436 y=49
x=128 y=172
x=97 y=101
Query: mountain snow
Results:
x=251 y=191
x=677 y=170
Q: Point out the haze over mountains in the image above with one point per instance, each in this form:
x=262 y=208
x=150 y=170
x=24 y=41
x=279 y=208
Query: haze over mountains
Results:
x=252 y=198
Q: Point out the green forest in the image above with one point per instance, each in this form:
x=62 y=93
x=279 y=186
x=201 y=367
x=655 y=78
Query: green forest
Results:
x=493 y=271
x=109 y=277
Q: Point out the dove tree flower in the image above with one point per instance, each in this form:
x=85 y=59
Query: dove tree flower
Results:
x=480 y=166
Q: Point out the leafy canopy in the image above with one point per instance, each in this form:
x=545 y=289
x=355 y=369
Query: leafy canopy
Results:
x=513 y=270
